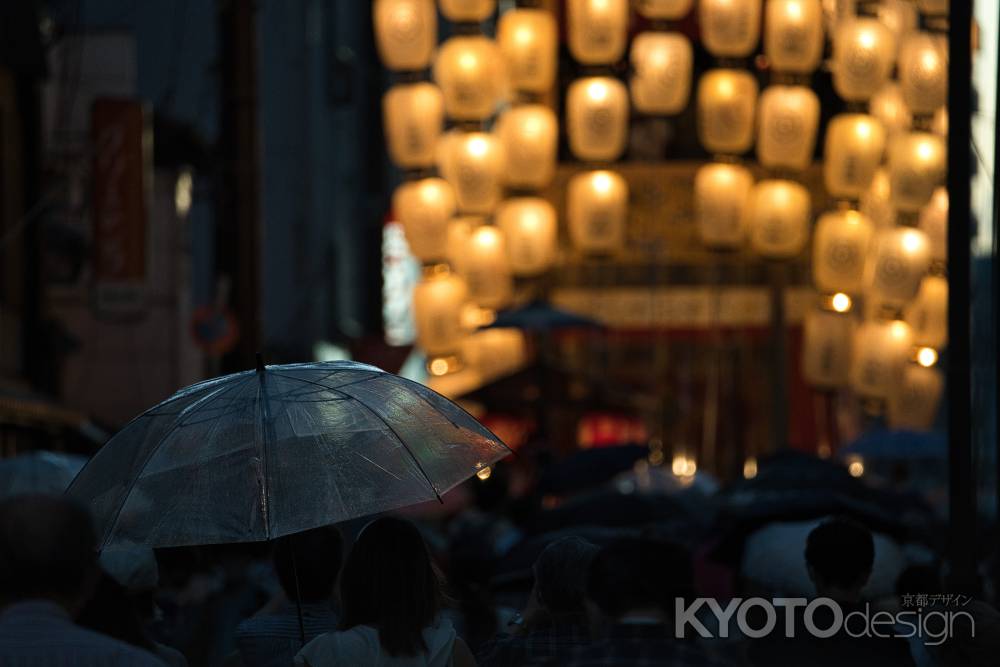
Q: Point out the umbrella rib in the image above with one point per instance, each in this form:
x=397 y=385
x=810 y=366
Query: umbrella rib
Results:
x=204 y=400
x=381 y=419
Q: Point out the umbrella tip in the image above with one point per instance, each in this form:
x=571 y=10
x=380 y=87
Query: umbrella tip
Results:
x=260 y=362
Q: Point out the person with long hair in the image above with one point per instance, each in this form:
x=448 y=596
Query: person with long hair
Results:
x=391 y=598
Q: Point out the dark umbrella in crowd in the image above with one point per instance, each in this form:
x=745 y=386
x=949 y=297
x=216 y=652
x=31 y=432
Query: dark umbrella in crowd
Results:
x=261 y=454
x=38 y=472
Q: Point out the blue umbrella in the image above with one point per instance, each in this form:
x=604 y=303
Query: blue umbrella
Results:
x=542 y=316
x=883 y=444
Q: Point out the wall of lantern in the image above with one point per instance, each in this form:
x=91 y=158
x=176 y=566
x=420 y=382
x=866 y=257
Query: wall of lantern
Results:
x=471 y=123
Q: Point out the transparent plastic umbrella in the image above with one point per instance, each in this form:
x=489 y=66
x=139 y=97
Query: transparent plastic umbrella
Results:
x=261 y=454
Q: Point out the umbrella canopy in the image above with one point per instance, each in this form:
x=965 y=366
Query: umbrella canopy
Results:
x=541 y=316
x=773 y=559
x=902 y=445
x=261 y=454
x=38 y=472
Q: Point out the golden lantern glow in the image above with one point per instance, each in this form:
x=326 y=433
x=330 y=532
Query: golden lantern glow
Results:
x=840 y=245
x=472 y=76
x=923 y=72
x=664 y=9
x=864 y=51
x=853 y=151
x=899 y=16
x=939 y=125
x=876 y=202
x=779 y=218
x=927 y=357
x=840 y=302
x=597 y=208
x=917 y=166
x=467 y=11
x=413 y=115
x=934 y=223
x=529 y=224
x=494 y=353
x=726 y=102
x=486 y=269
x=881 y=353
x=793 y=35
x=661 y=62
x=826 y=348
x=889 y=107
x=730 y=28
x=459 y=231
x=927 y=314
x=914 y=402
x=750 y=467
x=856 y=466
x=597 y=30
x=528 y=42
x=484 y=474
x=898 y=261
x=934 y=7
x=722 y=204
x=786 y=133
x=472 y=162
x=438 y=301
x=425 y=208
x=597 y=118
x=530 y=136
x=405 y=32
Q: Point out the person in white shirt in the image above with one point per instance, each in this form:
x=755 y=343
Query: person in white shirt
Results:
x=48 y=566
x=390 y=607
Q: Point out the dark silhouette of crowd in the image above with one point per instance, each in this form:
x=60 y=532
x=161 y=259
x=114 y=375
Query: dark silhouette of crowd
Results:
x=395 y=591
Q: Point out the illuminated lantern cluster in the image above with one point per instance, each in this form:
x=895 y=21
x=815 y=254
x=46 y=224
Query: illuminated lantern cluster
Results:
x=887 y=243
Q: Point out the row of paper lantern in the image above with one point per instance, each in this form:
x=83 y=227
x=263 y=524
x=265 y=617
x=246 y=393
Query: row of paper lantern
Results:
x=864 y=48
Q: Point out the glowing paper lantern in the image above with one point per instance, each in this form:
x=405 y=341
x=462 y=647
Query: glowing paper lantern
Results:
x=467 y=11
x=405 y=32
x=413 y=115
x=889 y=107
x=934 y=223
x=914 y=401
x=793 y=35
x=726 y=101
x=597 y=116
x=826 y=348
x=529 y=135
x=840 y=246
x=779 y=218
x=721 y=204
x=664 y=9
x=854 y=146
x=473 y=163
x=471 y=74
x=940 y=123
x=927 y=314
x=527 y=39
x=662 y=64
x=923 y=72
x=596 y=208
x=597 y=30
x=438 y=301
x=899 y=260
x=863 y=54
x=876 y=202
x=899 y=16
x=789 y=118
x=730 y=27
x=459 y=231
x=529 y=225
x=425 y=208
x=881 y=352
x=494 y=353
x=486 y=269
x=917 y=166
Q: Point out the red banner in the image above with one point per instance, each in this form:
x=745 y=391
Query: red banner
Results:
x=121 y=167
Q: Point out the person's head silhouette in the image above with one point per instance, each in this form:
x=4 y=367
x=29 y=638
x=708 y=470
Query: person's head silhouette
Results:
x=840 y=554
